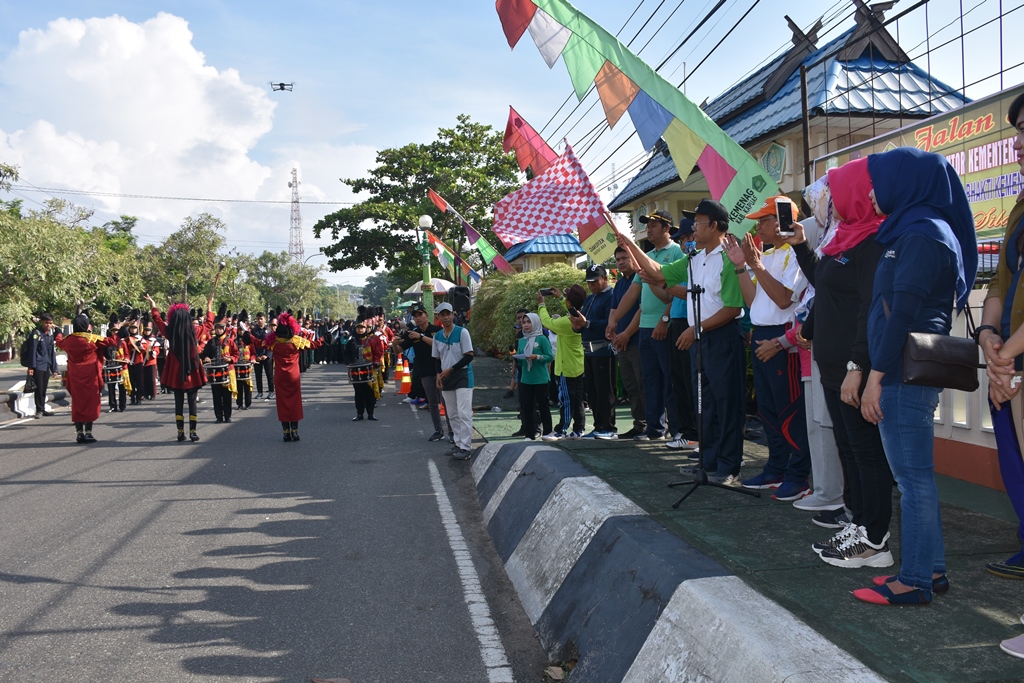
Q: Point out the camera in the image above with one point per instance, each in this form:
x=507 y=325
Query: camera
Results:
x=547 y=291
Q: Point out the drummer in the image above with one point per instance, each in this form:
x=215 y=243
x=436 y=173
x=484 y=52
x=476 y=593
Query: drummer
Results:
x=219 y=351
x=116 y=362
x=244 y=366
x=372 y=350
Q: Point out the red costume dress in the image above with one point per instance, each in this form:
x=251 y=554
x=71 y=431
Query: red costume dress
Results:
x=172 y=366
x=287 y=384
x=84 y=375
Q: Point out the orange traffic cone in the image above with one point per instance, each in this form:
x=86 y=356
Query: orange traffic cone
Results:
x=406 y=380
x=440 y=407
x=399 y=371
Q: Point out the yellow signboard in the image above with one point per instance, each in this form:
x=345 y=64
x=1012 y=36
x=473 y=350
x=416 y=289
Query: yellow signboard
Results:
x=977 y=141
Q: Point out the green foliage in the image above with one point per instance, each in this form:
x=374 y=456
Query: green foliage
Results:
x=466 y=165
x=189 y=256
x=494 y=310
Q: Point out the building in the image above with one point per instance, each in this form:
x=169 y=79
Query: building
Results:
x=543 y=251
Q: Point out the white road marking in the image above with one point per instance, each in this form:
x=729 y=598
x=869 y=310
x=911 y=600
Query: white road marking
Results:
x=491 y=650
x=17 y=422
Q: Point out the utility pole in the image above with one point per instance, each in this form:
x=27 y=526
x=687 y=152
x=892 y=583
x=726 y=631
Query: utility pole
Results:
x=295 y=249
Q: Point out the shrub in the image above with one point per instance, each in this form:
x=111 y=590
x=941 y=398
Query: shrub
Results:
x=494 y=310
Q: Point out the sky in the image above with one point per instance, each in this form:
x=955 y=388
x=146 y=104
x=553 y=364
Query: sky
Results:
x=172 y=99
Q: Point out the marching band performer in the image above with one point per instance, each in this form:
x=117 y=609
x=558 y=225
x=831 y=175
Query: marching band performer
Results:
x=246 y=355
x=136 y=355
x=371 y=349
x=84 y=374
x=219 y=350
x=151 y=351
x=287 y=344
x=183 y=372
x=114 y=353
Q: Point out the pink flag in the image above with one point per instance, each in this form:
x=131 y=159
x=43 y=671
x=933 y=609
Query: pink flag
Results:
x=531 y=149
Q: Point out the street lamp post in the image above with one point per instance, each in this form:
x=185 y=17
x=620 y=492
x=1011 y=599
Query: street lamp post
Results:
x=426 y=222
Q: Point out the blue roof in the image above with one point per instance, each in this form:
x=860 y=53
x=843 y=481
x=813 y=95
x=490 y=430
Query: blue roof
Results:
x=547 y=244
x=862 y=85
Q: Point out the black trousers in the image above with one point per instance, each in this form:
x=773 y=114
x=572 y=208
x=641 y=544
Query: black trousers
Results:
x=149 y=381
x=116 y=396
x=599 y=379
x=135 y=375
x=221 y=401
x=264 y=366
x=365 y=400
x=868 y=490
x=42 y=384
x=535 y=398
x=244 y=394
x=682 y=380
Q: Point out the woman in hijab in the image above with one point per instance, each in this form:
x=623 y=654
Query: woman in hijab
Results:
x=843 y=276
x=287 y=343
x=929 y=261
x=183 y=370
x=86 y=352
x=533 y=357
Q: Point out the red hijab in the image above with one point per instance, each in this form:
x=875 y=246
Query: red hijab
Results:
x=850 y=185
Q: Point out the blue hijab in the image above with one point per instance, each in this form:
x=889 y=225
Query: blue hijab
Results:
x=921 y=193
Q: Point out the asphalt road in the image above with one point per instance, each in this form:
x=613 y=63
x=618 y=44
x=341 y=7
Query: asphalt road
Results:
x=244 y=558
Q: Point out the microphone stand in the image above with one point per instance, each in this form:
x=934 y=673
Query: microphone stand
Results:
x=700 y=476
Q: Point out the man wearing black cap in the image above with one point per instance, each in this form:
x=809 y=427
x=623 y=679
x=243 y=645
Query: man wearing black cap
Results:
x=42 y=363
x=421 y=340
x=598 y=359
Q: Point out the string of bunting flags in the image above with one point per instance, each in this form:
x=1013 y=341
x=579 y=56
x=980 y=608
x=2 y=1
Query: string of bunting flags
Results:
x=489 y=254
x=658 y=110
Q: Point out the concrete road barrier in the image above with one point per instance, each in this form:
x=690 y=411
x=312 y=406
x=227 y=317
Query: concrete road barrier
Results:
x=605 y=584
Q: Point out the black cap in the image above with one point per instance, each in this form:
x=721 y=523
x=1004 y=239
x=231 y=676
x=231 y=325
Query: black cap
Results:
x=418 y=308
x=662 y=216
x=685 y=226
x=596 y=272
x=714 y=211
x=1015 y=107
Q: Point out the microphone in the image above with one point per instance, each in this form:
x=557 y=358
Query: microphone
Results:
x=690 y=248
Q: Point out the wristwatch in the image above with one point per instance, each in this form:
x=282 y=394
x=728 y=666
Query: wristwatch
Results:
x=664 y=318
x=981 y=328
x=853 y=367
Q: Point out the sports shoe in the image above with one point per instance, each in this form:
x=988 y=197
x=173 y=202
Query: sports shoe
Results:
x=1013 y=647
x=573 y=436
x=606 y=436
x=408 y=399
x=1004 y=570
x=858 y=551
x=256 y=397
x=791 y=490
x=682 y=444
x=270 y=395
x=631 y=433
x=812 y=504
x=641 y=437
x=436 y=436
x=832 y=519
x=451 y=438
x=763 y=481
x=554 y=436
x=723 y=479
x=592 y=434
x=837 y=539
x=462 y=454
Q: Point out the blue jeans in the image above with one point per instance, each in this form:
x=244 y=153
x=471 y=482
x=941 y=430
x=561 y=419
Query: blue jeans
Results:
x=908 y=436
x=657 y=380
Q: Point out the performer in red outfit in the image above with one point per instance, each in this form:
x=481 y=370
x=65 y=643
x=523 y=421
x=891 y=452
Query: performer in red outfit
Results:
x=287 y=343
x=372 y=350
x=221 y=349
x=183 y=372
x=84 y=376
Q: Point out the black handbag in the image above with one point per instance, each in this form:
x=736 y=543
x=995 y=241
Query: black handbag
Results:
x=30 y=384
x=941 y=360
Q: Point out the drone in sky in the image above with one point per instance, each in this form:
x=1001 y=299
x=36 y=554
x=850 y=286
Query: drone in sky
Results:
x=282 y=86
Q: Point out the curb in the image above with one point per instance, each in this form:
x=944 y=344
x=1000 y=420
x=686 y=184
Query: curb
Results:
x=607 y=585
x=15 y=405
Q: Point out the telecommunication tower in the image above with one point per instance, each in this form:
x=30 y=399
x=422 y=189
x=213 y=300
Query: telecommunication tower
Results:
x=295 y=249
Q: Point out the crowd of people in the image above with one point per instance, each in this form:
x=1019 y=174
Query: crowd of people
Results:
x=822 y=311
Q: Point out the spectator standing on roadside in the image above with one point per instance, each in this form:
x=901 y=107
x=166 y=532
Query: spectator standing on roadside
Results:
x=598 y=359
x=421 y=340
x=772 y=282
x=42 y=364
x=623 y=325
x=568 y=363
x=536 y=355
x=453 y=350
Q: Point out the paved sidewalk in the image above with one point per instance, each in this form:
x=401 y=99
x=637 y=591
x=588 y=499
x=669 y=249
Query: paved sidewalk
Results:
x=767 y=544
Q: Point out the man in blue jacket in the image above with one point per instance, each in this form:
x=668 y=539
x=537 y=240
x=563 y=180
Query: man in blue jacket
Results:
x=598 y=359
x=43 y=361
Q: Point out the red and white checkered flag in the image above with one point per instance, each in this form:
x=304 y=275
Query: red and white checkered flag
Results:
x=554 y=203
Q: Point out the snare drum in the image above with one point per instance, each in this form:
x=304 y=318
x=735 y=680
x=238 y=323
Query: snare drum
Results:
x=218 y=373
x=113 y=373
x=360 y=373
x=243 y=371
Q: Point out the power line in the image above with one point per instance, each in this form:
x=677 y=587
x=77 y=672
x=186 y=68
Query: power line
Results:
x=91 y=193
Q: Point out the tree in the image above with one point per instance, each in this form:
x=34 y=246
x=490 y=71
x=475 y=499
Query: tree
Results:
x=118 y=233
x=190 y=255
x=466 y=165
